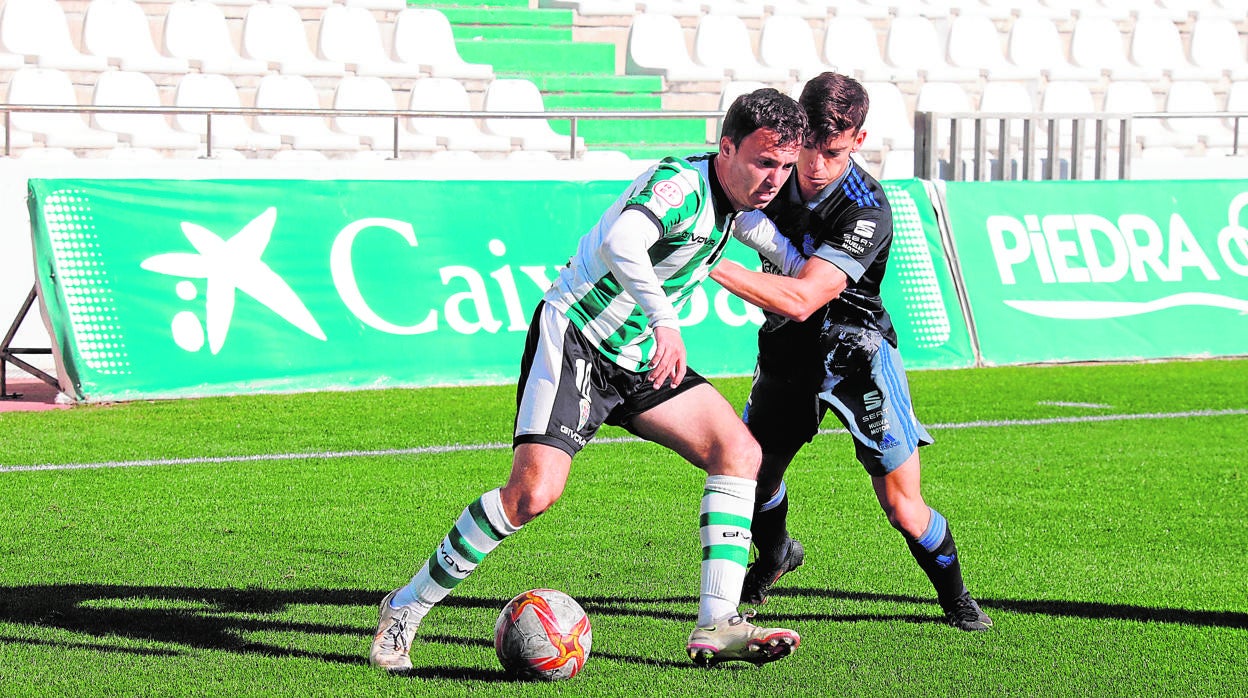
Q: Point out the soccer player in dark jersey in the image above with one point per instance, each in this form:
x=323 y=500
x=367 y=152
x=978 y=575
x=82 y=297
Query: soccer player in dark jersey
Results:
x=828 y=343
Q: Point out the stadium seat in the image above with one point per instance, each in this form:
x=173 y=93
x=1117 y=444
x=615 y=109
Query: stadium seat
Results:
x=458 y=134
x=788 y=42
x=1071 y=96
x=946 y=97
x=274 y=34
x=374 y=93
x=300 y=132
x=866 y=9
x=126 y=88
x=314 y=4
x=383 y=5
x=851 y=46
x=1136 y=97
x=731 y=90
x=1197 y=96
x=229 y=131
x=119 y=31
x=39 y=30
x=889 y=124
x=1216 y=46
x=519 y=95
x=423 y=37
x=596 y=8
x=1005 y=98
x=197 y=31
x=1157 y=44
x=656 y=46
x=353 y=36
x=913 y=43
x=722 y=42
x=1237 y=102
x=674 y=8
x=796 y=8
x=49 y=86
x=974 y=42
x=1096 y=42
x=1035 y=46
x=751 y=9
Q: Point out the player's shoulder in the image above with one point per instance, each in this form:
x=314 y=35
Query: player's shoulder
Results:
x=863 y=190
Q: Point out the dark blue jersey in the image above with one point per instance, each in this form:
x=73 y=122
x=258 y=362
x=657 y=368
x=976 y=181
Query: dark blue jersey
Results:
x=850 y=224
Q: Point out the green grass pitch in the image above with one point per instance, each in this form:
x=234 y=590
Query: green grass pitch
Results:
x=239 y=546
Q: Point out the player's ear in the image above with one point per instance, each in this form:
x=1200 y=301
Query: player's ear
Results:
x=858 y=139
x=726 y=147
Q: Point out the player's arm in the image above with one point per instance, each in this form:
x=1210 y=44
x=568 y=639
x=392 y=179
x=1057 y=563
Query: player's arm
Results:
x=626 y=253
x=760 y=234
x=794 y=297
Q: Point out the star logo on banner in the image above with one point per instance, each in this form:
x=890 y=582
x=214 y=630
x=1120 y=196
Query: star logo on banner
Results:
x=229 y=267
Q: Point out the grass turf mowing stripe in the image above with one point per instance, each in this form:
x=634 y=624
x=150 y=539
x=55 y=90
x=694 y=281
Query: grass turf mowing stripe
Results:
x=460 y=448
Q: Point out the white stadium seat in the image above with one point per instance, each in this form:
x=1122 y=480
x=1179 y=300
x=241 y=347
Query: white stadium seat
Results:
x=722 y=41
x=913 y=43
x=1216 y=45
x=274 y=34
x=300 y=132
x=851 y=46
x=656 y=46
x=519 y=95
x=1157 y=44
x=197 y=31
x=457 y=134
x=353 y=36
x=374 y=93
x=39 y=29
x=229 y=131
x=1096 y=42
x=49 y=86
x=423 y=37
x=127 y=88
x=1034 y=45
x=788 y=42
x=119 y=31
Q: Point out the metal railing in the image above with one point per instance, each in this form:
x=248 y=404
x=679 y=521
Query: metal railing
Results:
x=1066 y=137
x=397 y=115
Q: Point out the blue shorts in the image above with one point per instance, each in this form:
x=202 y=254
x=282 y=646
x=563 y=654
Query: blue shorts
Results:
x=862 y=382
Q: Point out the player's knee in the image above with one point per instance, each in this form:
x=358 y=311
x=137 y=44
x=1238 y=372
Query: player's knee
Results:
x=530 y=503
x=907 y=518
x=739 y=457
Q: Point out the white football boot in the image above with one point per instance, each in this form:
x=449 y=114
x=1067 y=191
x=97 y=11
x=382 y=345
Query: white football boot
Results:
x=395 y=631
x=737 y=639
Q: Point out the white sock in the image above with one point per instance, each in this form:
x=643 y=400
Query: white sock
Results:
x=479 y=529
x=727 y=506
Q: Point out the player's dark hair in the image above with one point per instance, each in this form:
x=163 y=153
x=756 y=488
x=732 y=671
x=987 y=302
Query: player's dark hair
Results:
x=834 y=104
x=766 y=108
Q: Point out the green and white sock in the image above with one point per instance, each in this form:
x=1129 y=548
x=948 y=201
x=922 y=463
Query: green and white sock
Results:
x=479 y=529
x=727 y=505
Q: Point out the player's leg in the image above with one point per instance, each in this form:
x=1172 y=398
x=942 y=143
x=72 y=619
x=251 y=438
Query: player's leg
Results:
x=717 y=442
x=783 y=413
x=887 y=438
x=553 y=385
x=930 y=540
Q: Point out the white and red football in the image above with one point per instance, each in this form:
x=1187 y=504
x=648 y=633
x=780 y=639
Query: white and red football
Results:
x=543 y=634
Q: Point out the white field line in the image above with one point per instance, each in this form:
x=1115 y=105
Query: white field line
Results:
x=461 y=448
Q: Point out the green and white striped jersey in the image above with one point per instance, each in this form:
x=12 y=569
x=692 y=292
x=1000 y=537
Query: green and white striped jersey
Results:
x=694 y=220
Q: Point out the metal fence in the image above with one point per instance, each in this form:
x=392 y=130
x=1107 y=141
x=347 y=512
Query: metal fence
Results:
x=1013 y=145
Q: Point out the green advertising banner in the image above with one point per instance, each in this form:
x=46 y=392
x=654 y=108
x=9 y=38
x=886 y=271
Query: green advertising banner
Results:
x=1073 y=271
x=174 y=288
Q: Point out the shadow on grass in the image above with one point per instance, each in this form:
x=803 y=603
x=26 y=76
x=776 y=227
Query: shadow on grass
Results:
x=220 y=619
x=1057 y=608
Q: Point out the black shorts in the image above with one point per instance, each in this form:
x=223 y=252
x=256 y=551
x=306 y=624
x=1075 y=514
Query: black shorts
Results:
x=568 y=389
x=862 y=382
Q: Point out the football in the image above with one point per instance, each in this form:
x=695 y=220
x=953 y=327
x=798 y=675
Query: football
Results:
x=543 y=634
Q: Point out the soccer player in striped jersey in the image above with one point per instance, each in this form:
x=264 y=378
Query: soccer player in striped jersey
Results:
x=604 y=346
x=828 y=343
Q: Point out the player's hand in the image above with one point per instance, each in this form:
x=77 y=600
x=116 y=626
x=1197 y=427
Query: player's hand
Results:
x=669 y=360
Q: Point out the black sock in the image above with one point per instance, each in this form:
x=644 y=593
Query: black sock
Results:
x=938 y=557
x=768 y=530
